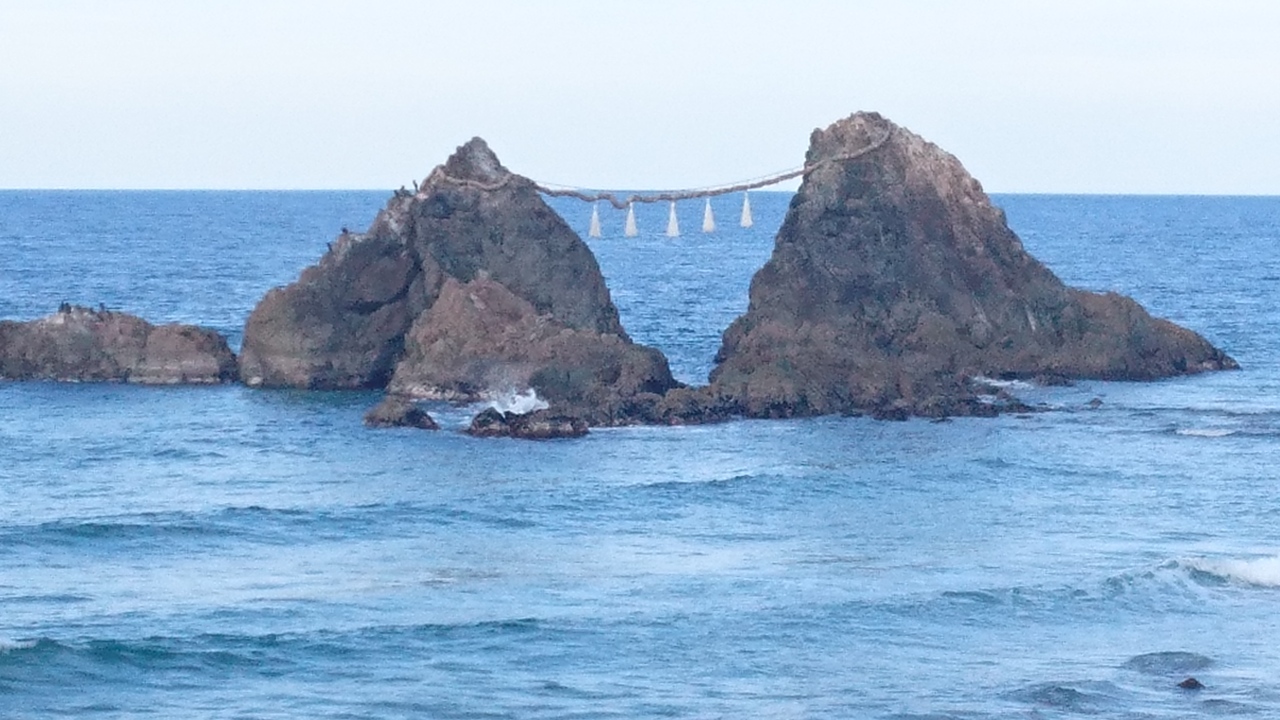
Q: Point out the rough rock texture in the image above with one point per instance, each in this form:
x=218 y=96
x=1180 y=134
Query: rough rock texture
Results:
x=343 y=323
x=538 y=425
x=894 y=281
x=78 y=344
x=480 y=339
x=469 y=288
x=399 y=411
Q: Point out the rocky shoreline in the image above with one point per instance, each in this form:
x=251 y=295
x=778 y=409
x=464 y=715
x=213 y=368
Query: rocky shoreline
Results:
x=894 y=287
x=81 y=344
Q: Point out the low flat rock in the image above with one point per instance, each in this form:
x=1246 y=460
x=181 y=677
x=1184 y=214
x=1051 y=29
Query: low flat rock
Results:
x=894 y=283
x=537 y=425
x=79 y=344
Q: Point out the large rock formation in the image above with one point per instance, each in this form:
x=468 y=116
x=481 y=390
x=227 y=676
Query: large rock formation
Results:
x=894 y=282
x=78 y=344
x=486 y=285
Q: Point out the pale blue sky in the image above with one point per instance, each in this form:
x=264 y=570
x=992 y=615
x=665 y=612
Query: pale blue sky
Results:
x=1168 y=96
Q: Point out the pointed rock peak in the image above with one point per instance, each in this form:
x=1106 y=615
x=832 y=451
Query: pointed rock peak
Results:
x=475 y=161
x=857 y=131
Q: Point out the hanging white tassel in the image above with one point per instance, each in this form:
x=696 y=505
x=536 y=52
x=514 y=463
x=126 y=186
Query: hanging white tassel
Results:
x=630 y=230
x=746 y=221
x=708 y=220
x=595 y=221
x=673 y=225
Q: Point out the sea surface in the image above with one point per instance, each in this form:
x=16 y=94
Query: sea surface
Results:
x=234 y=553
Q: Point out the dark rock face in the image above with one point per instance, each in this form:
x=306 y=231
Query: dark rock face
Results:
x=894 y=281
x=343 y=323
x=399 y=411
x=538 y=425
x=78 y=344
x=480 y=339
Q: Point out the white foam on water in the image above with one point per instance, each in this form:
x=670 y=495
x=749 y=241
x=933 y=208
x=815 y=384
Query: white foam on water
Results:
x=1262 y=572
x=519 y=403
x=11 y=645
x=1204 y=432
x=1003 y=384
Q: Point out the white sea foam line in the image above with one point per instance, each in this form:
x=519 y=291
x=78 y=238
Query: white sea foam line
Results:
x=1263 y=571
x=1003 y=384
x=1205 y=432
x=10 y=645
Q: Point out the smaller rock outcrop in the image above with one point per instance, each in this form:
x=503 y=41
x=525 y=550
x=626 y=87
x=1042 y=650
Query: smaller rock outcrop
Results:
x=537 y=425
x=80 y=344
x=480 y=339
x=399 y=411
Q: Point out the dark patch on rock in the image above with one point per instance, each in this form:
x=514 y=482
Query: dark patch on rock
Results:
x=695 y=406
x=80 y=344
x=537 y=425
x=399 y=411
x=894 y=281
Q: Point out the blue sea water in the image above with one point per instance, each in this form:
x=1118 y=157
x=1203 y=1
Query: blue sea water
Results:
x=235 y=553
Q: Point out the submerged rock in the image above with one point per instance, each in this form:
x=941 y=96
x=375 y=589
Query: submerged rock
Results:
x=79 y=344
x=1191 y=684
x=537 y=425
x=894 y=281
x=470 y=287
x=399 y=411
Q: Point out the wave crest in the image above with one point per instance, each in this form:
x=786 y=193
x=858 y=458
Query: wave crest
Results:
x=1259 y=572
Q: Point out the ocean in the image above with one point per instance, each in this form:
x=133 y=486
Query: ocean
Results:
x=235 y=553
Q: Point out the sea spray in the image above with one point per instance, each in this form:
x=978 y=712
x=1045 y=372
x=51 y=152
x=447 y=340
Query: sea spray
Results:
x=518 y=403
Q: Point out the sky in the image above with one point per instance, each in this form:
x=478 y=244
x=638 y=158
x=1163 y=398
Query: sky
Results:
x=1087 y=96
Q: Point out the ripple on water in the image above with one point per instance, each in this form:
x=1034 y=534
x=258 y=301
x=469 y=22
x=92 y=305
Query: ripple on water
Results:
x=1173 y=662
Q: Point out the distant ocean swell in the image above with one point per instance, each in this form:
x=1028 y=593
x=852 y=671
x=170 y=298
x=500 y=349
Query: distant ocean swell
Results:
x=1173 y=586
x=46 y=659
x=251 y=523
x=1182 y=586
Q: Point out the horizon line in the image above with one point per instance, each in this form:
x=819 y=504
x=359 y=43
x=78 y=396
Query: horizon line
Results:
x=1073 y=193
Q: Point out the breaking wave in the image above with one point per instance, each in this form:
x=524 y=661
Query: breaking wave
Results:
x=7 y=646
x=519 y=403
x=1259 y=572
